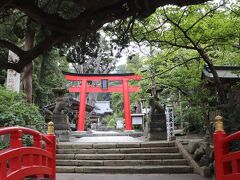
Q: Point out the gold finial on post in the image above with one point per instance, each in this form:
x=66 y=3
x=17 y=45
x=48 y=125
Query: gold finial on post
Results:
x=219 y=123
x=50 y=127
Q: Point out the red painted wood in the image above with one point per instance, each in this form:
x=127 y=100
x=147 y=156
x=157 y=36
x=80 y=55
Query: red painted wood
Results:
x=127 y=111
x=18 y=162
x=82 y=107
x=84 y=88
x=99 y=89
x=98 y=78
x=232 y=137
x=51 y=147
x=227 y=163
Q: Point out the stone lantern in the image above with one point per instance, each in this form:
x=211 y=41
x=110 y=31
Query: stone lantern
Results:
x=60 y=117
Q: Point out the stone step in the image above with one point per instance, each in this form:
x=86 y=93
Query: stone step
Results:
x=119 y=150
x=145 y=156
x=121 y=162
x=125 y=169
x=114 y=145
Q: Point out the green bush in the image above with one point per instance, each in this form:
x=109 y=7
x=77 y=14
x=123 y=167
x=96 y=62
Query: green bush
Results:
x=111 y=120
x=112 y=123
x=196 y=119
x=14 y=110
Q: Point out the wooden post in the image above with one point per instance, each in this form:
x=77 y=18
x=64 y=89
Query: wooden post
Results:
x=52 y=149
x=82 y=107
x=15 y=142
x=127 y=111
x=219 y=148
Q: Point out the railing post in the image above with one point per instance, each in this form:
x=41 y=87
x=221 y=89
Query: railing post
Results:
x=37 y=159
x=52 y=148
x=15 y=142
x=219 y=148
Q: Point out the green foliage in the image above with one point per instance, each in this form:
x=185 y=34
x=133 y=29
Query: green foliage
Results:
x=3 y=145
x=231 y=116
x=14 y=110
x=111 y=121
x=231 y=120
x=117 y=102
x=177 y=66
x=48 y=75
x=195 y=119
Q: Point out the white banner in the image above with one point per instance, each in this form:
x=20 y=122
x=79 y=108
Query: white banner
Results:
x=13 y=78
x=169 y=122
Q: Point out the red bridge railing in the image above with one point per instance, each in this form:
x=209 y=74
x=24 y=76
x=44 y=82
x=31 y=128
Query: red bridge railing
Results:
x=227 y=163
x=37 y=161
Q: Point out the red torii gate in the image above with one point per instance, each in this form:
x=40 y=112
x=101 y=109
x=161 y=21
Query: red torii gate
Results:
x=104 y=78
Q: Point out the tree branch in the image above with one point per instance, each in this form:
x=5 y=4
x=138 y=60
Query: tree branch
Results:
x=172 y=44
x=170 y=69
x=8 y=45
x=206 y=14
x=176 y=87
x=93 y=19
x=25 y=57
x=88 y=20
x=180 y=64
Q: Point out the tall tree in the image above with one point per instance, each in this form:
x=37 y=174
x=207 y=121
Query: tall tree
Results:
x=70 y=18
x=90 y=54
x=28 y=69
x=48 y=75
x=194 y=28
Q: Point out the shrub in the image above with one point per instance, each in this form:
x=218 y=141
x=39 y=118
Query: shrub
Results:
x=196 y=119
x=14 y=110
x=112 y=123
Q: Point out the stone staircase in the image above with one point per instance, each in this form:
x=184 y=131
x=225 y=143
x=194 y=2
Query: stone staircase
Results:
x=129 y=158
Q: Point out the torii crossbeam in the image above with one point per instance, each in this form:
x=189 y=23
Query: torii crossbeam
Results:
x=104 y=78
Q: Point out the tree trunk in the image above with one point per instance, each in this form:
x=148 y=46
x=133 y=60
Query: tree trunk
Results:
x=217 y=81
x=28 y=70
x=45 y=57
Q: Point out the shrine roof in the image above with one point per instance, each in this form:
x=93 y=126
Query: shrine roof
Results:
x=74 y=105
x=224 y=72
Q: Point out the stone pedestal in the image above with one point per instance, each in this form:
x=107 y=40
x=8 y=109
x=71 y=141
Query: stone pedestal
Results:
x=62 y=127
x=157 y=127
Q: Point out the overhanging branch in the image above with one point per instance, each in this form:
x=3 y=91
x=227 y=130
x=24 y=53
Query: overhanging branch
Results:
x=8 y=45
x=25 y=57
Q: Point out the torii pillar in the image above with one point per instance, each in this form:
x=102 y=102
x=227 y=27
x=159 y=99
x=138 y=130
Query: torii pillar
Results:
x=126 y=100
x=84 y=88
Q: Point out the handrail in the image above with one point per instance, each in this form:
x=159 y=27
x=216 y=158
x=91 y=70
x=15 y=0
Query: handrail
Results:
x=18 y=162
x=227 y=163
x=11 y=130
x=232 y=137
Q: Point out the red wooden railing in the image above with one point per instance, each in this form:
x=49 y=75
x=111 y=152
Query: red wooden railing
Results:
x=227 y=163
x=37 y=161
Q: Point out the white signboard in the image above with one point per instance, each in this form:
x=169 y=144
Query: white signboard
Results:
x=13 y=78
x=136 y=120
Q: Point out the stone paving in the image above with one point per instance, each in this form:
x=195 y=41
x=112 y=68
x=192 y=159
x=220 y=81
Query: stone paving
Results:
x=105 y=139
x=63 y=176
